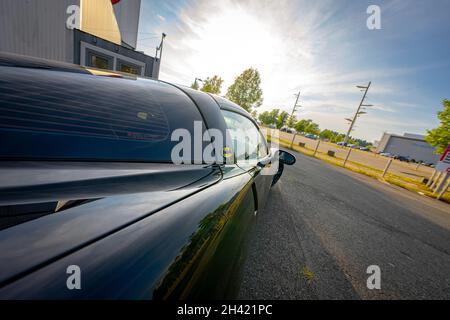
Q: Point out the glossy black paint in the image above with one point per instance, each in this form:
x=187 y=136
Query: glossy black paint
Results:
x=169 y=253
x=287 y=158
x=137 y=230
x=54 y=115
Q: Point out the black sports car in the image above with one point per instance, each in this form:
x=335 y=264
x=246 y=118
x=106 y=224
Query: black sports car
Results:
x=92 y=205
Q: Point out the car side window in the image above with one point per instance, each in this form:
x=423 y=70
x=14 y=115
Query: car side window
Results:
x=247 y=141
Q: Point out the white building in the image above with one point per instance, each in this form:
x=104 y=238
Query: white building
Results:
x=93 y=33
x=408 y=145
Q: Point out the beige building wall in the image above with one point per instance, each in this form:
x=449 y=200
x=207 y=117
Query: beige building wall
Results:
x=98 y=18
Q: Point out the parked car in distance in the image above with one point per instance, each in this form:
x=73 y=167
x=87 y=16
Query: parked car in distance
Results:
x=89 y=183
x=402 y=158
x=311 y=136
x=428 y=164
x=342 y=143
x=287 y=129
x=386 y=154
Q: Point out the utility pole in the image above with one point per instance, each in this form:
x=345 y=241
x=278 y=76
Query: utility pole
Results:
x=358 y=111
x=160 y=47
x=195 y=82
x=295 y=104
x=292 y=114
x=157 y=64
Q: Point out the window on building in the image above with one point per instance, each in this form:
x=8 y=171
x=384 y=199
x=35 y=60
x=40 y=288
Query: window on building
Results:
x=98 y=60
x=127 y=67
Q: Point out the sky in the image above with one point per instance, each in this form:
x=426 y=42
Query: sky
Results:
x=321 y=48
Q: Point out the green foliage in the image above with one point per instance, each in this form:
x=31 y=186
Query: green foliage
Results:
x=313 y=128
x=334 y=136
x=307 y=126
x=246 y=91
x=361 y=142
x=440 y=136
x=212 y=85
x=282 y=119
x=328 y=134
x=338 y=137
x=264 y=117
x=292 y=120
x=269 y=117
x=195 y=85
x=301 y=125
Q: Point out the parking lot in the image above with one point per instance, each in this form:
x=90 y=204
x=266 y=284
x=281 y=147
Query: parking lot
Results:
x=369 y=159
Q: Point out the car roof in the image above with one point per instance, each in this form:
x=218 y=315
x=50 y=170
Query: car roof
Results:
x=231 y=106
x=16 y=60
x=21 y=61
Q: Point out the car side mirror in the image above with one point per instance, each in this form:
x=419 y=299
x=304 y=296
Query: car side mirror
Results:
x=287 y=158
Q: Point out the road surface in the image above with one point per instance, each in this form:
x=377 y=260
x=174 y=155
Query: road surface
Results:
x=324 y=225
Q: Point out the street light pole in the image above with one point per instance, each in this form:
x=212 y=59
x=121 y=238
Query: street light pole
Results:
x=292 y=114
x=195 y=82
x=295 y=104
x=357 y=111
x=157 y=63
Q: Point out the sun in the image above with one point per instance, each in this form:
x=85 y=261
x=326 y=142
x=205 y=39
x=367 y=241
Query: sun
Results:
x=230 y=41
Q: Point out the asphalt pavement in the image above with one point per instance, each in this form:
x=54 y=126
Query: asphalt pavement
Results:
x=323 y=226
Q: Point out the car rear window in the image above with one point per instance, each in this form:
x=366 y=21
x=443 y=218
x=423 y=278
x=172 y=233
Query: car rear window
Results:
x=66 y=116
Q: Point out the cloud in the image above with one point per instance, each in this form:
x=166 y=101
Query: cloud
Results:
x=160 y=17
x=296 y=45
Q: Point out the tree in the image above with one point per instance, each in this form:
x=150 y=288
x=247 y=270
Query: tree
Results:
x=268 y=117
x=264 y=117
x=195 y=85
x=307 y=126
x=313 y=128
x=246 y=91
x=290 y=123
x=212 y=85
x=301 y=125
x=282 y=119
x=362 y=143
x=327 y=134
x=440 y=136
x=339 y=137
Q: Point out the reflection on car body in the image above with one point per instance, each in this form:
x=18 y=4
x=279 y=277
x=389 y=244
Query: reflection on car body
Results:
x=87 y=180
